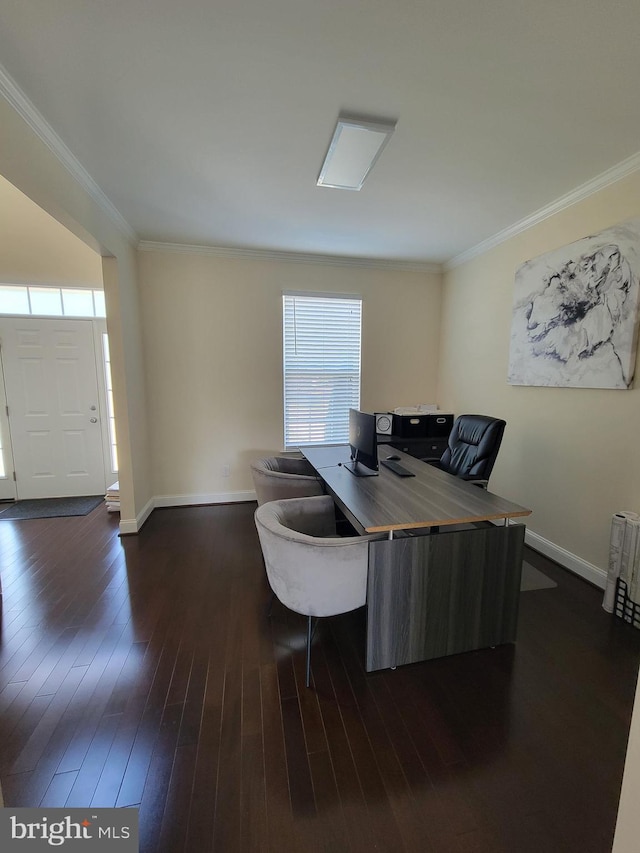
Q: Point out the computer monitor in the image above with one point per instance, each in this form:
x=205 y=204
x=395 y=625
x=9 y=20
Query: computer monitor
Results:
x=363 y=441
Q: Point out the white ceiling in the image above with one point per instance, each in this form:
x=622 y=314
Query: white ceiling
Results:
x=206 y=121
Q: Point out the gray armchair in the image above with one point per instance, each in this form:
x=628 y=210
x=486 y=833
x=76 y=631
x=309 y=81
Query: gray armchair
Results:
x=311 y=570
x=280 y=477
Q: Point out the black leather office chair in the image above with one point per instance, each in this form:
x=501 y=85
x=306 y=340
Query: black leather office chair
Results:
x=472 y=449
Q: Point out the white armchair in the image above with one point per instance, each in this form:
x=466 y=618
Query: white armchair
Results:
x=311 y=570
x=280 y=477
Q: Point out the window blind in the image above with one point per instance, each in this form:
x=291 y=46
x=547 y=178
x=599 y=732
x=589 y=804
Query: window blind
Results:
x=321 y=348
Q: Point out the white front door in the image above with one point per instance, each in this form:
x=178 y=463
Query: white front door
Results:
x=7 y=483
x=54 y=416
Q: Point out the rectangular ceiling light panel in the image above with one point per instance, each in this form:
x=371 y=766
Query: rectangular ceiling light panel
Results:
x=355 y=147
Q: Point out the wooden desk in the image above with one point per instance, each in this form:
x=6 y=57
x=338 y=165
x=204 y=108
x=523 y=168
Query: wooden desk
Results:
x=430 y=594
x=388 y=502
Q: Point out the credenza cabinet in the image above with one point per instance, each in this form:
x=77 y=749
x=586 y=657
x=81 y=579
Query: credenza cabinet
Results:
x=421 y=448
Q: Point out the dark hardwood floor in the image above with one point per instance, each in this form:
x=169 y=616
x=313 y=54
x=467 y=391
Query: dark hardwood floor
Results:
x=144 y=672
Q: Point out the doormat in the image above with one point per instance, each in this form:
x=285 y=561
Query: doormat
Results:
x=532 y=578
x=51 y=507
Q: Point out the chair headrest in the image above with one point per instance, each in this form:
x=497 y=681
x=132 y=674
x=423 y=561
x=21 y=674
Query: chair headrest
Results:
x=472 y=429
x=473 y=446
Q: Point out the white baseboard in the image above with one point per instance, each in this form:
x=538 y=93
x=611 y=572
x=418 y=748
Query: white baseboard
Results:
x=134 y=525
x=210 y=498
x=565 y=558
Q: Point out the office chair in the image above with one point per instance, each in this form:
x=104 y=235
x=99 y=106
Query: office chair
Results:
x=279 y=477
x=310 y=569
x=472 y=449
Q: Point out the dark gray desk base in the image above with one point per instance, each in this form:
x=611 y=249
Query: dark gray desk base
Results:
x=434 y=595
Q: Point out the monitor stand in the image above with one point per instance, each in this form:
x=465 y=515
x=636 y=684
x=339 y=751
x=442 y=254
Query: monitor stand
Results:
x=359 y=469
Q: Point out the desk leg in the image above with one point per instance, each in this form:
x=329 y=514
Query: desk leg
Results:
x=431 y=596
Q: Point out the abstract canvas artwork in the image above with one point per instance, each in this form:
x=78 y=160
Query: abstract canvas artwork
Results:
x=575 y=313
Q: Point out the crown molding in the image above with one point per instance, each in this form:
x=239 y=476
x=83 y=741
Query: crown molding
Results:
x=290 y=257
x=605 y=179
x=12 y=93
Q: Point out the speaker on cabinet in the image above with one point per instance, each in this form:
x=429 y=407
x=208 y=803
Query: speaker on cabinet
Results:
x=384 y=423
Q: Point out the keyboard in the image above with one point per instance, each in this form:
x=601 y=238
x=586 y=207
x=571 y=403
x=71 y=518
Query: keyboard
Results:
x=397 y=468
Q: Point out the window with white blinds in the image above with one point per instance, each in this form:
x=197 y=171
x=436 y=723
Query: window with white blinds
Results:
x=321 y=367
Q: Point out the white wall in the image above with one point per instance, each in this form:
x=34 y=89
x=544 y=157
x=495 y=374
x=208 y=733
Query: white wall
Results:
x=32 y=167
x=572 y=455
x=213 y=342
x=36 y=249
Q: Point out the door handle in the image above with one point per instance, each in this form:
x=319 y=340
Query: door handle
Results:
x=93 y=420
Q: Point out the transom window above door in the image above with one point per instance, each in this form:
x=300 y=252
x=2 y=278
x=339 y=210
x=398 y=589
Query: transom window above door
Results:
x=43 y=301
